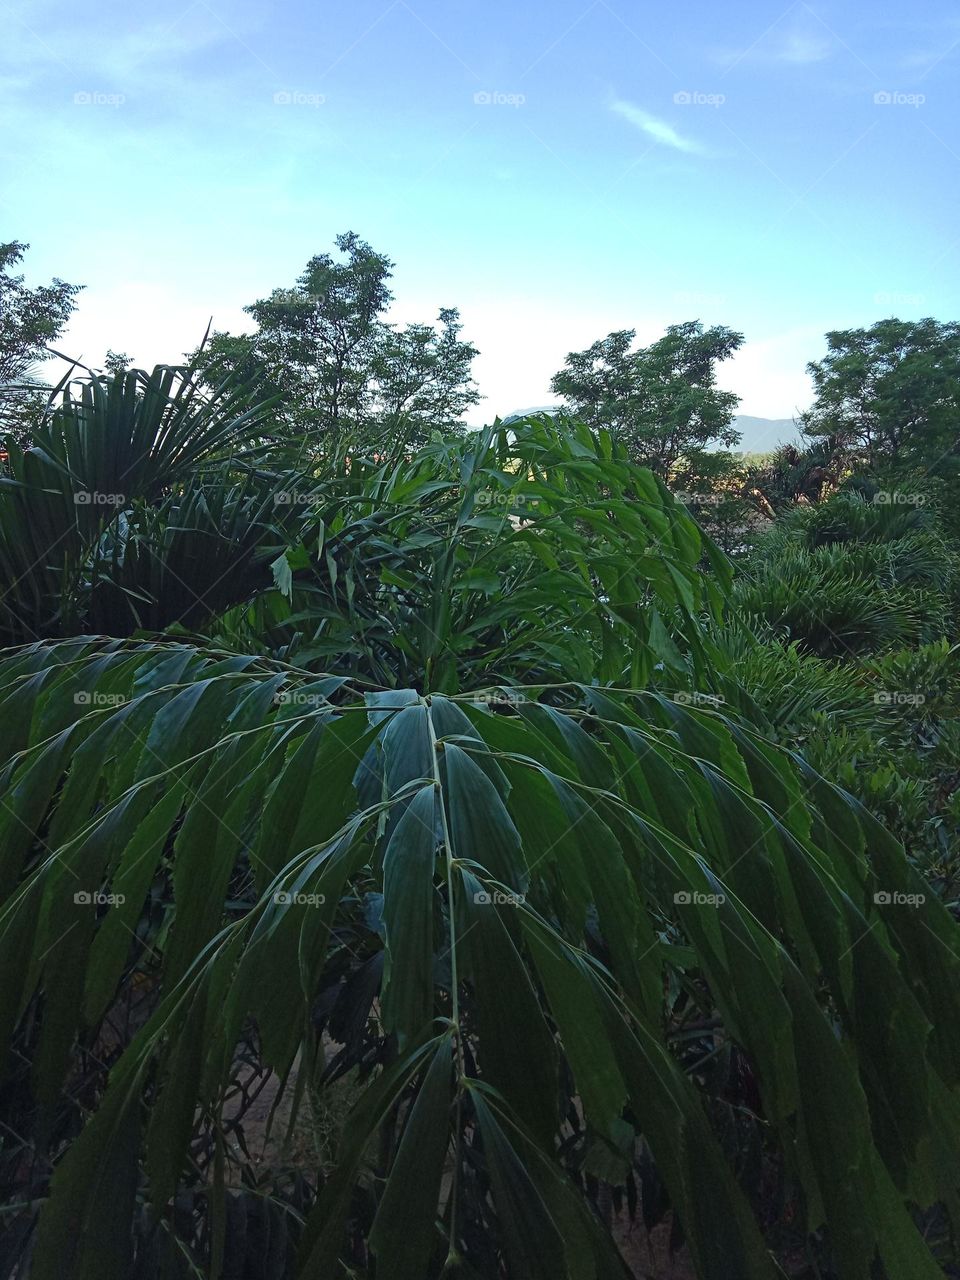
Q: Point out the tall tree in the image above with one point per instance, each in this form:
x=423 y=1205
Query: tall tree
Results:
x=342 y=371
x=890 y=393
x=661 y=401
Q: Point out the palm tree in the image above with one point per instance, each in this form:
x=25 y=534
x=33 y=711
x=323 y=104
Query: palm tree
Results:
x=112 y=475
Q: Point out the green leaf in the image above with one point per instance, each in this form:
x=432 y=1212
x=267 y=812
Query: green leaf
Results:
x=408 y=896
x=533 y=1242
x=403 y=1234
x=85 y=1226
x=480 y=826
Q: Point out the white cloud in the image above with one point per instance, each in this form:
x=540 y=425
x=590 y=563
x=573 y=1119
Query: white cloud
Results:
x=659 y=130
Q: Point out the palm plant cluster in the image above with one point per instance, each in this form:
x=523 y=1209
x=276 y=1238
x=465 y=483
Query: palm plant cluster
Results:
x=858 y=603
x=452 y=808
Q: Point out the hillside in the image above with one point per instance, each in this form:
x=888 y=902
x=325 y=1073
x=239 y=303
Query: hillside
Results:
x=761 y=435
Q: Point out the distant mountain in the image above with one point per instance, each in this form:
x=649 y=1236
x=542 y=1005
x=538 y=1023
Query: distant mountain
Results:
x=762 y=435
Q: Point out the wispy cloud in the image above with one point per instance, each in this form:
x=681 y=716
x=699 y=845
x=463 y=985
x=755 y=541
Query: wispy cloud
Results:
x=147 y=56
x=796 y=48
x=925 y=60
x=801 y=48
x=658 y=130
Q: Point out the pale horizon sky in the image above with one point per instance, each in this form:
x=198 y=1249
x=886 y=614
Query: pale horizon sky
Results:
x=555 y=171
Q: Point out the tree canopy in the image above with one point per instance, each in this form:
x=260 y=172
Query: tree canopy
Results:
x=30 y=319
x=890 y=393
x=661 y=401
x=343 y=372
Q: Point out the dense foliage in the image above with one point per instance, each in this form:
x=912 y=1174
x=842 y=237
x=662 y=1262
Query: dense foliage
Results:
x=858 y=600
x=420 y=856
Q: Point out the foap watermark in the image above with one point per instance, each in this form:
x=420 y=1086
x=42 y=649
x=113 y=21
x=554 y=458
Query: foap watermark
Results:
x=295 y=498
x=294 y=98
x=894 y=898
x=888 y=298
x=898 y=698
x=897 y=498
x=697 y=98
x=894 y=98
x=494 y=498
x=295 y=295
x=86 y=898
x=697 y=699
x=498 y=698
x=284 y=898
x=698 y=499
x=498 y=898
x=91 y=498
x=94 y=698
x=495 y=98
x=694 y=898
x=696 y=298
x=299 y=698
x=94 y=98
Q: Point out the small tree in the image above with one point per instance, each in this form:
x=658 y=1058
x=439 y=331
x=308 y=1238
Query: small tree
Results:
x=661 y=401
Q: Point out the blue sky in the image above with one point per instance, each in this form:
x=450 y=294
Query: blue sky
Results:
x=555 y=170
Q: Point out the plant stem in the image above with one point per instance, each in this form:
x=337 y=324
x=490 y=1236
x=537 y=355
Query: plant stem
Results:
x=454 y=985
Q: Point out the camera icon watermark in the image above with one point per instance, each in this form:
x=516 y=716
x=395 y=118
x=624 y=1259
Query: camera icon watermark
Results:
x=295 y=296
x=886 y=298
x=494 y=98
x=84 y=898
x=694 y=898
x=897 y=498
x=91 y=498
x=94 y=98
x=697 y=298
x=494 y=498
x=696 y=98
x=894 y=98
x=698 y=499
x=94 y=698
x=886 y=898
x=498 y=698
x=294 y=98
x=299 y=698
x=283 y=898
x=898 y=698
x=497 y=898
x=295 y=498
x=695 y=698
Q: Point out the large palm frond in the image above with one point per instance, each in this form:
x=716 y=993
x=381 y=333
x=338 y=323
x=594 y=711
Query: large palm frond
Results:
x=520 y=923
